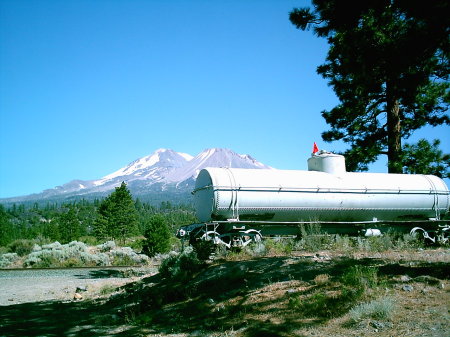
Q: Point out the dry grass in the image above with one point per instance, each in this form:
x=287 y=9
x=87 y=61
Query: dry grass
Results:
x=306 y=294
x=299 y=293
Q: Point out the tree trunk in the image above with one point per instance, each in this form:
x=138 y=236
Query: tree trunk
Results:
x=394 y=137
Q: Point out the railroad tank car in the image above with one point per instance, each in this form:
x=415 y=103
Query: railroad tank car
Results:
x=326 y=193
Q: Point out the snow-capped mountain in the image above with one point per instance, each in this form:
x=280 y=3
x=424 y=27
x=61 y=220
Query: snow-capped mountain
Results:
x=154 y=167
x=215 y=157
x=164 y=170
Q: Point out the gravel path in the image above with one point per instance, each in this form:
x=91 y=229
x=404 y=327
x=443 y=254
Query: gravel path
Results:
x=36 y=285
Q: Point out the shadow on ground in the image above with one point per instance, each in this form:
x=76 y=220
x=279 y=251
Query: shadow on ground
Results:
x=155 y=305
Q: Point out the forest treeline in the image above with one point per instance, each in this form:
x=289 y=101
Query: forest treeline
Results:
x=116 y=217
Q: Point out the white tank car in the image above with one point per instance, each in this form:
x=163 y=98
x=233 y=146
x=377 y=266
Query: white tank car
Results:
x=326 y=192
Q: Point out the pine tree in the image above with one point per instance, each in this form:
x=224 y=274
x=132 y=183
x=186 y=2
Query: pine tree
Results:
x=6 y=230
x=388 y=64
x=426 y=158
x=69 y=225
x=101 y=226
x=157 y=236
x=117 y=215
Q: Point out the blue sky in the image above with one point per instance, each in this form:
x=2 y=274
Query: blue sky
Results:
x=88 y=86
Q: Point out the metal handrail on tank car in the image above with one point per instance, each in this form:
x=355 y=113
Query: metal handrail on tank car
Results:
x=329 y=222
x=319 y=189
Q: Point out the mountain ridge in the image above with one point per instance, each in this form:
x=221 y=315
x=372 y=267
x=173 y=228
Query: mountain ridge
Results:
x=164 y=171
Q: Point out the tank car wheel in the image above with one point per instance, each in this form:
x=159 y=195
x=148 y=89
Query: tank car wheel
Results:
x=211 y=236
x=444 y=236
x=421 y=234
x=251 y=236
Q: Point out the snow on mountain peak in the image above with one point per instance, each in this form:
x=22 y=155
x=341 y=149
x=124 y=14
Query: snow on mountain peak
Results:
x=165 y=165
x=214 y=157
x=154 y=166
x=154 y=173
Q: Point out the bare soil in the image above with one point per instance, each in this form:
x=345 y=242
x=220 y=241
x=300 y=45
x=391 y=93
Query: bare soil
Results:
x=39 y=285
x=266 y=296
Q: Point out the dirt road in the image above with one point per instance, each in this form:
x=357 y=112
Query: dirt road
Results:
x=37 y=285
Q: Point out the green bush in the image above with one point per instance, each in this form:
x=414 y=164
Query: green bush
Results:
x=381 y=243
x=136 y=243
x=312 y=238
x=360 y=277
x=21 y=247
x=180 y=266
x=342 y=243
x=278 y=245
x=408 y=241
x=125 y=256
x=107 y=289
x=204 y=249
x=89 y=240
x=157 y=236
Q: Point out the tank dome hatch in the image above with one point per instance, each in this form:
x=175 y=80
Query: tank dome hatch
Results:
x=323 y=161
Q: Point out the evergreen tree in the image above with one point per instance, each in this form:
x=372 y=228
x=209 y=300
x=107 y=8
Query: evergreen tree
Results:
x=6 y=230
x=101 y=226
x=157 y=236
x=69 y=225
x=388 y=64
x=117 y=215
x=426 y=158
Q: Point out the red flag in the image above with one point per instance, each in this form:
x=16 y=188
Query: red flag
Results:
x=315 y=148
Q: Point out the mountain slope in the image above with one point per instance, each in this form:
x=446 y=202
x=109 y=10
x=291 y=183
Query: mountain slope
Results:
x=215 y=157
x=154 y=167
x=165 y=172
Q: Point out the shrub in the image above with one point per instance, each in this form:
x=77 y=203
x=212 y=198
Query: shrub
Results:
x=89 y=240
x=377 y=309
x=257 y=249
x=53 y=246
x=180 y=266
x=36 y=248
x=321 y=279
x=75 y=247
x=7 y=259
x=361 y=277
x=136 y=243
x=76 y=254
x=381 y=243
x=278 y=245
x=43 y=259
x=125 y=256
x=408 y=241
x=101 y=259
x=21 y=247
x=107 y=289
x=320 y=305
x=73 y=254
x=311 y=238
x=342 y=243
x=107 y=246
x=204 y=249
x=357 y=280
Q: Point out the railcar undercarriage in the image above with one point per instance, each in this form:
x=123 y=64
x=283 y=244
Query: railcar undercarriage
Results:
x=241 y=233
